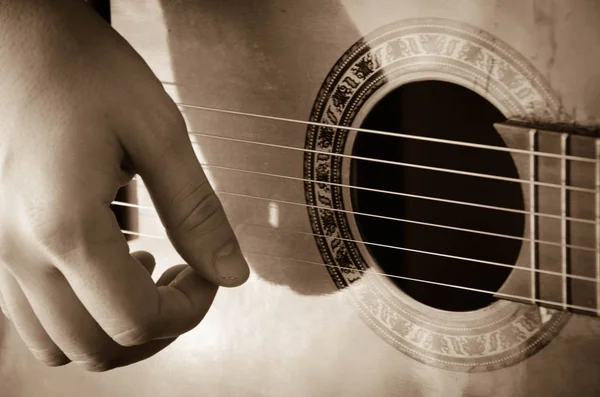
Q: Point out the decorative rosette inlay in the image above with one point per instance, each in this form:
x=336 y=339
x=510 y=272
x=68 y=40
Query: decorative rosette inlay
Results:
x=407 y=51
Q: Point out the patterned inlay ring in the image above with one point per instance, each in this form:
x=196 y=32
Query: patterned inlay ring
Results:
x=490 y=338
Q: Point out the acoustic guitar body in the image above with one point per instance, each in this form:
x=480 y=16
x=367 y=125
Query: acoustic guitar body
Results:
x=363 y=291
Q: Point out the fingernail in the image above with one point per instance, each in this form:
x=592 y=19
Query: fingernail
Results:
x=230 y=262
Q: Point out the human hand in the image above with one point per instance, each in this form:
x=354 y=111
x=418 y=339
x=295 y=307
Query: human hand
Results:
x=80 y=114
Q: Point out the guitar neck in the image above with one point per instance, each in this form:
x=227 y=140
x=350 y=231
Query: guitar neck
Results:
x=562 y=231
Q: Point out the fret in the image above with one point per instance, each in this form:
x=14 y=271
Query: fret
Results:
x=597 y=214
x=532 y=216
x=563 y=222
x=523 y=283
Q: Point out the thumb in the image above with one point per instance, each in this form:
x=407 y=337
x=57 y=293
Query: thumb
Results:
x=187 y=204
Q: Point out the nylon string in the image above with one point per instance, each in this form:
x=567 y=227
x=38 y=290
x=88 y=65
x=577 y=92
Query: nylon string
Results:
x=438 y=254
x=382 y=274
x=410 y=165
x=393 y=134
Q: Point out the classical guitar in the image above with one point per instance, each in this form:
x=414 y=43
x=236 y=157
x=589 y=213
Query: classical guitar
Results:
x=415 y=186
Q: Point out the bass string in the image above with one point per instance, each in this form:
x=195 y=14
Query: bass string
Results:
x=528 y=299
x=400 y=164
x=386 y=133
x=417 y=251
x=386 y=218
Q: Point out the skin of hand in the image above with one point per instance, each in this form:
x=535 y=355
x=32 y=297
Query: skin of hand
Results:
x=80 y=115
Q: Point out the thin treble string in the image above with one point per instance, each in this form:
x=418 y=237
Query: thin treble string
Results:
x=416 y=251
x=382 y=274
x=399 y=163
x=395 y=193
x=416 y=196
x=392 y=134
x=389 y=218
x=369 y=215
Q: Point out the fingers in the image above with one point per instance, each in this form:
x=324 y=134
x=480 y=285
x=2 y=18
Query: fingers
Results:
x=170 y=274
x=27 y=324
x=146 y=260
x=58 y=329
x=185 y=301
x=78 y=290
x=99 y=306
x=67 y=322
x=187 y=205
x=3 y=306
x=117 y=291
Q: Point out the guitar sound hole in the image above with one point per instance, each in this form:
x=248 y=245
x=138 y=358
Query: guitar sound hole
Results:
x=441 y=110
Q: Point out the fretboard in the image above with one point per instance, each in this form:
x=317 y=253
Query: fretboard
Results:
x=562 y=232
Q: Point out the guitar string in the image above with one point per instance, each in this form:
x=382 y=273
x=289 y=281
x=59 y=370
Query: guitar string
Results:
x=517 y=151
x=501 y=294
x=424 y=252
x=392 y=134
x=558 y=186
x=416 y=196
x=574 y=158
x=402 y=164
x=460 y=143
x=391 y=192
x=402 y=220
x=388 y=218
x=383 y=274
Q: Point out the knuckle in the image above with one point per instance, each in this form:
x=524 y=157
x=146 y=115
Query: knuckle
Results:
x=52 y=231
x=100 y=366
x=7 y=245
x=51 y=357
x=170 y=119
x=96 y=362
x=66 y=233
x=200 y=211
x=4 y=309
x=6 y=251
x=135 y=336
x=165 y=121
